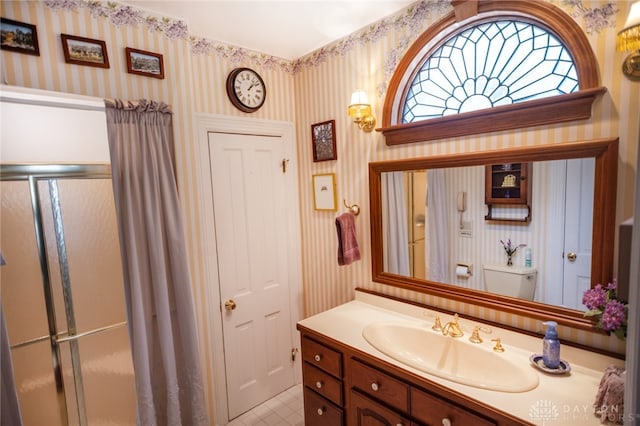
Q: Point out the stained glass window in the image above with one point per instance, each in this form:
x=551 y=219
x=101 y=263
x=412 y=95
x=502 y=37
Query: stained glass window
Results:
x=491 y=64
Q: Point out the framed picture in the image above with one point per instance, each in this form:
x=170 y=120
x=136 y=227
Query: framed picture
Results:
x=144 y=63
x=19 y=37
x=84 y=51
x=324 y=192
x=323 y=136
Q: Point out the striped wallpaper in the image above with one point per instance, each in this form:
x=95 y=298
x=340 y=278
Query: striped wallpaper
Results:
x=313 y=89
x=322 y=93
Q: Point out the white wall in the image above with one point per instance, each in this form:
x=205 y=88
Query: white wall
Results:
x=547 y=207
x=49 y=127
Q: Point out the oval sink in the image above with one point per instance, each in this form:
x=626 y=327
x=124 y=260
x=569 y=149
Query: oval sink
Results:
x=450 y=358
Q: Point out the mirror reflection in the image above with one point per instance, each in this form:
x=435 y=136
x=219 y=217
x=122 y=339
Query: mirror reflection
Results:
x=440 y=225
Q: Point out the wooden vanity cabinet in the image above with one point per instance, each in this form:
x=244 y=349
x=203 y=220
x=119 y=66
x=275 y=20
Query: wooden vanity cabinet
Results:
x=358 y=389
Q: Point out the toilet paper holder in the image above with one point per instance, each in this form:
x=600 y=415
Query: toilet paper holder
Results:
x=464 y=270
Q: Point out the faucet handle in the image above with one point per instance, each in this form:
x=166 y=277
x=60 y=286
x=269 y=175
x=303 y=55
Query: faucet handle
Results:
x=475 y=335
x=498 y=347
x=437 y=326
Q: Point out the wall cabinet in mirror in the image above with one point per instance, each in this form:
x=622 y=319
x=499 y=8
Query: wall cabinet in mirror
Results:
x=508 y=184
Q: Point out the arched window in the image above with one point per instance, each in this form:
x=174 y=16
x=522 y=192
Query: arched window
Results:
x=495 y=70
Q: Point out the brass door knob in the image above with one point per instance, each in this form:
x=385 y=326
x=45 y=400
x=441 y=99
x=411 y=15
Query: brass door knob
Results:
x=572 y=257
x=230 y=305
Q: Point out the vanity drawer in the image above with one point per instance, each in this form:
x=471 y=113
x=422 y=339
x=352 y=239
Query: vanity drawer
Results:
x=431 y=410
x=320 y=412
x=322 y=357
x=379 y=385
x=323 y=383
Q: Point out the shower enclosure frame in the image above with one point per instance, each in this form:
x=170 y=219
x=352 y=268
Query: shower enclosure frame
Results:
x=32 y=173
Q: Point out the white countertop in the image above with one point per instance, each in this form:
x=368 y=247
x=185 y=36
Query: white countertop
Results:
x=557 y=400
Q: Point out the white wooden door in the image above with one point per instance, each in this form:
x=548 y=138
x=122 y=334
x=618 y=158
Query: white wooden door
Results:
x=578 y=231
x=249 y=201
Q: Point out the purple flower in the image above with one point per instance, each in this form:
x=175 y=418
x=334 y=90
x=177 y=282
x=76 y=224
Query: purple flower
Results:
x=176 y=30
x=608 y=312
x=200 y=46
x=63 y=4
x=509 y=248
x=125 y=15
x=614 y=315
x=595 y=298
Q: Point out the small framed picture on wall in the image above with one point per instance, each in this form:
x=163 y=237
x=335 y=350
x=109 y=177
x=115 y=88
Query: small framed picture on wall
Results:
x=323 y=136
x=144 y=63
x=84 y=51
x=19 y=37
x=324 y=192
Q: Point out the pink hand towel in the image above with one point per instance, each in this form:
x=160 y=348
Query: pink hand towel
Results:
x=348 y=250
x=610 y=398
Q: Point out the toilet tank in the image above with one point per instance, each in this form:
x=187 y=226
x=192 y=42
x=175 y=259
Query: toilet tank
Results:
x=513 y=281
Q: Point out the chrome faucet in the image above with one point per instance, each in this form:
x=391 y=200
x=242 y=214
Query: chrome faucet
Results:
x=452 y=328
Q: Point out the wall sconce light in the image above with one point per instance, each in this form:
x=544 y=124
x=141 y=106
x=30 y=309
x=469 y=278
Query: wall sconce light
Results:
x=360 y=111
x=629 y=39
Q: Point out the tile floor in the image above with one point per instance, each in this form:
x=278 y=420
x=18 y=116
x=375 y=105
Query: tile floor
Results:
x=285 y=409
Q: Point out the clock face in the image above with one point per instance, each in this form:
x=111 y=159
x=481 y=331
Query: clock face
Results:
x=246 y=90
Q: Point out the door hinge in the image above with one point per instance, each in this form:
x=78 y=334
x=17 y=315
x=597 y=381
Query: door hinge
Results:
x=294 y=352
x=284 y=165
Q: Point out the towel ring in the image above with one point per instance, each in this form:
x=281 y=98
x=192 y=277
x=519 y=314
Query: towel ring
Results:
x=354 y=208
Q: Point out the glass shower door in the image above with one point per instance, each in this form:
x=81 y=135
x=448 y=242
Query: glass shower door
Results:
x=63 y=299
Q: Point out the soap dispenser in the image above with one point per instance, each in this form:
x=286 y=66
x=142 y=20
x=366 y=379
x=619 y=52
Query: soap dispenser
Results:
x=551 y=346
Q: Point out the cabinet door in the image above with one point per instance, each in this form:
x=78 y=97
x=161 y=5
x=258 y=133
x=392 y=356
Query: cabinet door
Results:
x=507 y=183
x=366 y=412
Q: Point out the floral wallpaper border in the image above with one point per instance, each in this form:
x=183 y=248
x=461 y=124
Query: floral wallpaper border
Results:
x=408 y=22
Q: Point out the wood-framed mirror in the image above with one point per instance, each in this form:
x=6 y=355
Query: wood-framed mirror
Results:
x=604 y=155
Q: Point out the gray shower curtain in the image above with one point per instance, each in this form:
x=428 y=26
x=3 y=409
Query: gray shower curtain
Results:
x=160 y=312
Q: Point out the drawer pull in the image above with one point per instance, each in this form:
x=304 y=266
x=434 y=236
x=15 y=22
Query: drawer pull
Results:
x=446 y=422
x=375 y=387
x=321 y=411
x=317 y=358
x=319 y=384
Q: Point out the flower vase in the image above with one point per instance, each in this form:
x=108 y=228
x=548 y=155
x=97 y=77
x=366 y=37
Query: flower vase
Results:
x=509 y=260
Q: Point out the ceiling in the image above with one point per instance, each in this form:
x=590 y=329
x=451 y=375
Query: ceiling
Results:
x=287 y=29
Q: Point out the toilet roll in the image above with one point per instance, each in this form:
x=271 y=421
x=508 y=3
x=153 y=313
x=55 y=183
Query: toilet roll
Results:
x=462 y=271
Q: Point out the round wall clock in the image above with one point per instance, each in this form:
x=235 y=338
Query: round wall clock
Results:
x=246 y=89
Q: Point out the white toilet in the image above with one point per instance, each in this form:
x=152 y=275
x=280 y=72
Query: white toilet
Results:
x=513 y=281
